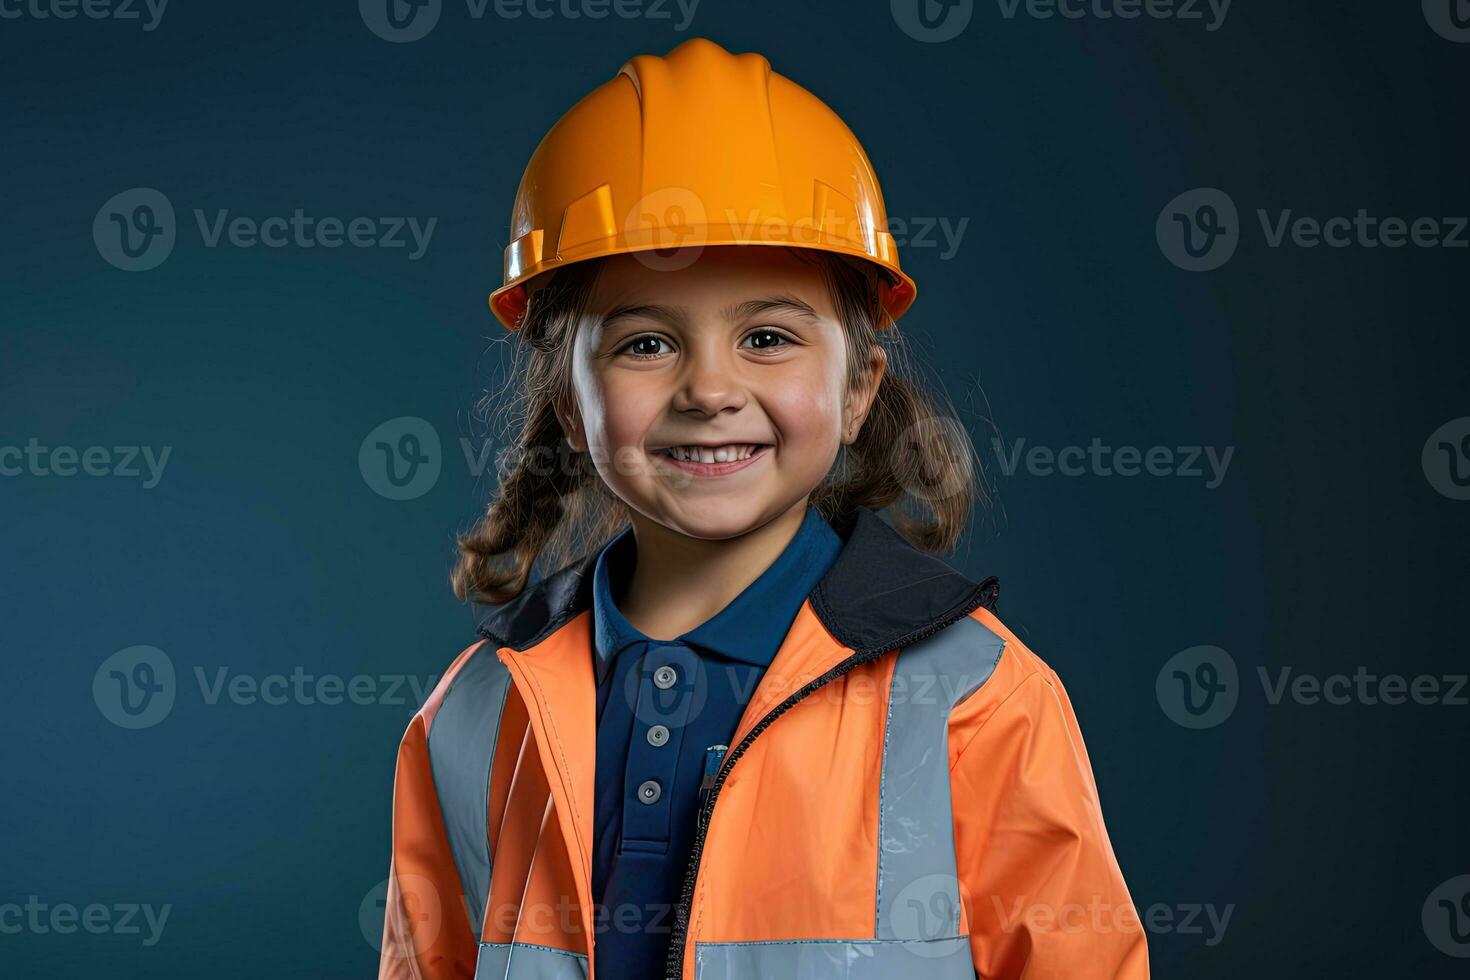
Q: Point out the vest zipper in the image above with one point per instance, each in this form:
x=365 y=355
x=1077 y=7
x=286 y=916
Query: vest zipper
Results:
x=674 y=963
x=713 y=756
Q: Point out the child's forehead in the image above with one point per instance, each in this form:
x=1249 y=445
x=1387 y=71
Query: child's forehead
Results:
x=710 y=276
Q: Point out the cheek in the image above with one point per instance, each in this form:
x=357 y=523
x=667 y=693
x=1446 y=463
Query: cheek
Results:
x=622 y=410
x=807 y=408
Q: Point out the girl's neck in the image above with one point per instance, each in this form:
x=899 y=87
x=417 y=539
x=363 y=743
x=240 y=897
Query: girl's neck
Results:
x=680 y=582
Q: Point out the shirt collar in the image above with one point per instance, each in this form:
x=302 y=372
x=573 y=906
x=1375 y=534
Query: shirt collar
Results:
x=754 y=624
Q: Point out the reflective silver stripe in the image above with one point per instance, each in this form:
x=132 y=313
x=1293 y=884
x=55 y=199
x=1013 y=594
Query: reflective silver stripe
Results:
x=524 y=961
x=461 y=751
x=918 y=889
x=848 y=959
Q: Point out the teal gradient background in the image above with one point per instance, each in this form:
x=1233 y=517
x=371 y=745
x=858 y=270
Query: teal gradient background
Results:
x=1057 y=320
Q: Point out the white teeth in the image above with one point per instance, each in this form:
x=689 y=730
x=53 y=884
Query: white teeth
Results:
x=717 y=454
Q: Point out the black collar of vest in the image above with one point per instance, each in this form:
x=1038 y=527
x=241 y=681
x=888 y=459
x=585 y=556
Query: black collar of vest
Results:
x=880 y=593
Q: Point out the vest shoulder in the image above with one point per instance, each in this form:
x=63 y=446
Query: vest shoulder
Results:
x=545 y=606
x=884 y=593
x=1014 y=666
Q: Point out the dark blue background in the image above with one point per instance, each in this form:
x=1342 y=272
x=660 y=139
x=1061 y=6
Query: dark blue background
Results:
x=263 y=549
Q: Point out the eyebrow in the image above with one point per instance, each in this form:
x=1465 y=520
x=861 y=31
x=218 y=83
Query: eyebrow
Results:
x=675 y=316
x=771 y=304
x=664 y=314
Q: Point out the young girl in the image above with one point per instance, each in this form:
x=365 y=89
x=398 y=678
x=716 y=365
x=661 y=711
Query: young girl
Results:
x=752 y=729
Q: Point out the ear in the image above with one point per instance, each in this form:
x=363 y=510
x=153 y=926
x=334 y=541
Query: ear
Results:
x=860 y=398
x=571 y=423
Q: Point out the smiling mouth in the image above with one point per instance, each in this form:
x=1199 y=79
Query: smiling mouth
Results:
x=713 y=460
x=733 y=452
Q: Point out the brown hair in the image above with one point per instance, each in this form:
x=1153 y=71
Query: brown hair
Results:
x=552 y=501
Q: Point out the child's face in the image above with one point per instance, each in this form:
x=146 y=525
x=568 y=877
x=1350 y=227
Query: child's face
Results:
x=742 y=349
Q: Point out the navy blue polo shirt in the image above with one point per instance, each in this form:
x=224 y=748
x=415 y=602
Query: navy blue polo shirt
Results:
x=661 y=706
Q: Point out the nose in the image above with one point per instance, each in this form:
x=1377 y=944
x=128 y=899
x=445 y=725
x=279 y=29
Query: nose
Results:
x=711 y=382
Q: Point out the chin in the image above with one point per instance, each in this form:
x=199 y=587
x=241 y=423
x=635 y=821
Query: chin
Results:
x=714 y=519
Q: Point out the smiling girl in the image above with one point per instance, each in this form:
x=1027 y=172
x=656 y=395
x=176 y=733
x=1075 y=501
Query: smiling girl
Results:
x=745 y=724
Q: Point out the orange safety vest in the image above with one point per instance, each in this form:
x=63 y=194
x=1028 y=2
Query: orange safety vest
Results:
x=907 y=794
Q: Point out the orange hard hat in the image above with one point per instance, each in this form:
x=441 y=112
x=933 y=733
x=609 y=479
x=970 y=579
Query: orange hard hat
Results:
x=700 y=147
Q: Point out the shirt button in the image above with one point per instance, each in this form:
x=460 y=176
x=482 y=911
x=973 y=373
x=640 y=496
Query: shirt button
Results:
x=658 y=735
x=664 y=677
x=649 y=791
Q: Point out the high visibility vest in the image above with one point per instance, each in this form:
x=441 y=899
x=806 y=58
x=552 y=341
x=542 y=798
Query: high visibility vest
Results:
x=907 y=794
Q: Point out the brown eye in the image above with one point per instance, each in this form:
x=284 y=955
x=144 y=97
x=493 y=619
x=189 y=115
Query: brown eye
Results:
x=767 y=339
x=644 y=346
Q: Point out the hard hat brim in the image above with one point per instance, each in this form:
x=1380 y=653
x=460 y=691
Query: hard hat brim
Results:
x=509 y=302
